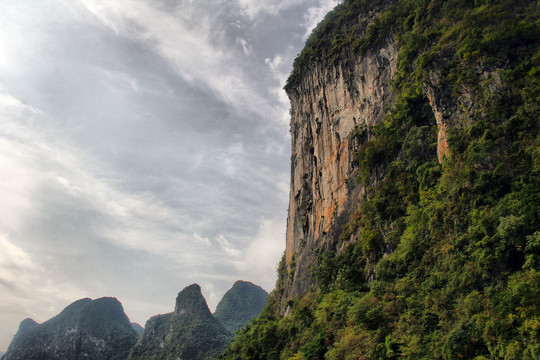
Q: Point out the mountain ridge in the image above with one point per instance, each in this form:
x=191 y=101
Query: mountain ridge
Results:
x=190 y=330
x=94 y=329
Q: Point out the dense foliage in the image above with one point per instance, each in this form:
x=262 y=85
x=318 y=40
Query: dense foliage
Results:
x=171 y=337
x=447 y=264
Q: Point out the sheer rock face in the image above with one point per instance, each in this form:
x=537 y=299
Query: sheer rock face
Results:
x=86 y=329
x=327 y=104
x=329 y=100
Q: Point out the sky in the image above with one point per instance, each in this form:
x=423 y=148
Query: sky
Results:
x=144 y=146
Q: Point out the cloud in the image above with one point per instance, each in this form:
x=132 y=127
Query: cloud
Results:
x=315 y=14
x=26 y=288
x=189 y=50
x=13 y=257
x=245 y=46
x=145 y=147
x=254 y=7
x=263 y=254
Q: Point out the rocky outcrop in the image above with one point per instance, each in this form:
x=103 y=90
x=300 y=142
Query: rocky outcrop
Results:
x=86 y=329
x=410 y=221
x=461 y=108
x=326 y=106
x=243 y=302
x=191 y=332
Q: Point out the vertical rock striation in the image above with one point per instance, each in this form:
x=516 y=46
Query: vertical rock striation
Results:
x=326 y=106
x=336 y=100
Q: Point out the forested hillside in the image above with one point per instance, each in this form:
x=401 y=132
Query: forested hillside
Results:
x=437 y=256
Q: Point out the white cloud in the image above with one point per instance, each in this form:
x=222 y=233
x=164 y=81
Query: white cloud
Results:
x=188 y=49
x=245 y=46
x=19 y=151
x=123 y=78
x=34 y=161
x=227 y=246
x=203 y=240
x=14 y=257
x=315 y=14
x=254 y=7
x=259 y=261
x=27 y=289
x=275 y=63
x=144 y=146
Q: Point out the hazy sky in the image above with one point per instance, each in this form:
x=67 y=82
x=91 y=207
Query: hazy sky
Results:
x=144 y=146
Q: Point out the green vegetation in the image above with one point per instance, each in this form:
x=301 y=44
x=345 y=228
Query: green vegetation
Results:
x=190 y=332
x=336 y=37
x=171 y=337
x=451 y=250
x=91 y=329
x=243 y=302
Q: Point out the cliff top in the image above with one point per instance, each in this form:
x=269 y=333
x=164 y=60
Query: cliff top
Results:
x=342 y=31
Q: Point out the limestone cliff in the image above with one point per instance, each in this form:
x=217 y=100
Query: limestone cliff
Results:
x=338 y=96
x=325 y=108
x=328 y=102
x=413 y=226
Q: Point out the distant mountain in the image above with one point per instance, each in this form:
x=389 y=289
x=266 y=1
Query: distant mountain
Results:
x=100 y=330
x=191 y=332
x=138 y=328
x=90 y=329
x=243 y=302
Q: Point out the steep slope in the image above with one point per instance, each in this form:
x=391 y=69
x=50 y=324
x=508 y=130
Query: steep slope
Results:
x=89 y=329
x=414 y=225
x=191 y=332
x=240 y=304
x=138 y=328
